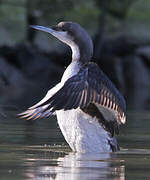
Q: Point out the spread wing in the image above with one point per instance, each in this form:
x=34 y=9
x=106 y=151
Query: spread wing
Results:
x=39 y=110
x=90 y=87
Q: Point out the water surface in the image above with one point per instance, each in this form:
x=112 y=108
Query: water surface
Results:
x=37 y=150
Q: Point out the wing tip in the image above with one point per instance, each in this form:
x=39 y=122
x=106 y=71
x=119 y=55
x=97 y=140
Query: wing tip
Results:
x=36 y=113
x=29 y=114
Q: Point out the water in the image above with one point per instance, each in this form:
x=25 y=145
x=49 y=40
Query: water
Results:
x=37 y=150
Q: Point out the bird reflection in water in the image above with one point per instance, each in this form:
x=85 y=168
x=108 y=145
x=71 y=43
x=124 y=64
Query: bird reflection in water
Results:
x=74 y=166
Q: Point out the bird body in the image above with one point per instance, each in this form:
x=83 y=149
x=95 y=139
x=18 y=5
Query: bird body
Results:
x=88 y=107
x=80 y=129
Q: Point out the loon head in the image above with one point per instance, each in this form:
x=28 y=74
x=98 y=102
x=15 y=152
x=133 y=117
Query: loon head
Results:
x=74 y=36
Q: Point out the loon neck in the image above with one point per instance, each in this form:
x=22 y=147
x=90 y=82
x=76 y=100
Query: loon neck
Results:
x=76 y=55
x=80 y=53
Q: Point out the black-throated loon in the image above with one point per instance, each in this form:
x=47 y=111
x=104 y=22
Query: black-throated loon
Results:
x=88 y=107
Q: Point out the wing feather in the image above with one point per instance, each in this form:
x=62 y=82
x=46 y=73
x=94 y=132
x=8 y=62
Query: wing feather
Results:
x=89 y=85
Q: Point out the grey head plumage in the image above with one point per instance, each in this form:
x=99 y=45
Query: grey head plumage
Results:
x=73 y=35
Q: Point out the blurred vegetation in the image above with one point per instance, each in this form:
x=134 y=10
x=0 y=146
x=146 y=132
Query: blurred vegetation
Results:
x=127 y=16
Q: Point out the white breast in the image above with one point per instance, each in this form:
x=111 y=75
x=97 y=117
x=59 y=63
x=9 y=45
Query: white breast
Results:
x=82 y=132
x=71 y=70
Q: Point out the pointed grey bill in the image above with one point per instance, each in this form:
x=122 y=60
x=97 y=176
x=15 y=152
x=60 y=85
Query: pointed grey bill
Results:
x=61 y=35
x=42 y=28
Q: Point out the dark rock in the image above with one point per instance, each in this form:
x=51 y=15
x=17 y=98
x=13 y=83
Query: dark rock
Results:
x=12 y=82
x=137 y=82
x=144 y=53
x=26 y=75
